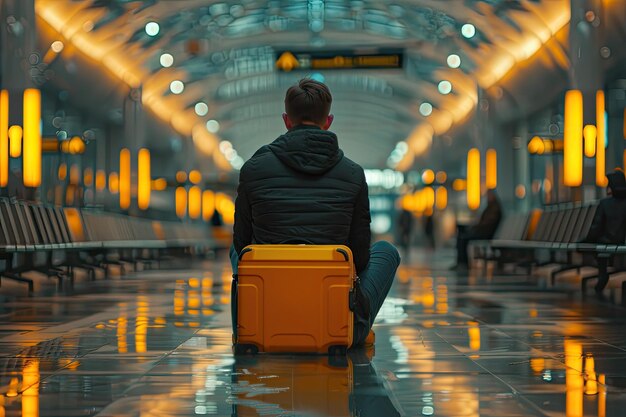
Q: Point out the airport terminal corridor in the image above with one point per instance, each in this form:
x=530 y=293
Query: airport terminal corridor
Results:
x=158 y=343
x=424 y=202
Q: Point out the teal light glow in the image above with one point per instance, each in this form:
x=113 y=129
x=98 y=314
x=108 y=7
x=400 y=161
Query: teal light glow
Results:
x=318 y=77
x=606 y=129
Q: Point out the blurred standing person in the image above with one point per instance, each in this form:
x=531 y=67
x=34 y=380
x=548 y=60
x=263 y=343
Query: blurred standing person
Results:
x=405 y=226
x=484 y=229
x=429 y=230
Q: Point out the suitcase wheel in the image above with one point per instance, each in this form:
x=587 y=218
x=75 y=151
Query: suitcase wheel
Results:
x=246 y=349
x=339 y=350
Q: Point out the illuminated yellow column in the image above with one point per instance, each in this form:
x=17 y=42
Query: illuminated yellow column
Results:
x=195 y=202
x=101 y=180
x=208 y=205
x=573 y=152
x=74 y=174
x=601 y=180
x=88 y=177
x=144 y=184
x=181 y=202
x=491 y=169
x=124 y=179
x=473 y=179
x=4 y=138
x=590 y=134
x=32 y=138
x=441 y=198
x=429 y=200
x=114 y=183
x=15 y=141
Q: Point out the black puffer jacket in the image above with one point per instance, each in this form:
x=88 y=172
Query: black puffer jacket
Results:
x=609 y=222
x=301 y=188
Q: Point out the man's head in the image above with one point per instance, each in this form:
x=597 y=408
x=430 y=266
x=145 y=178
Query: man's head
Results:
x=617 y=184
x=308 y=103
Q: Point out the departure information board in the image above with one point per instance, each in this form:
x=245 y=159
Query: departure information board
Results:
x=345 y=59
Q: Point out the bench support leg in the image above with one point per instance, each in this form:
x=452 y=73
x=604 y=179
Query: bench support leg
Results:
x=18 y=278
x=603 y=273
x=557 y=271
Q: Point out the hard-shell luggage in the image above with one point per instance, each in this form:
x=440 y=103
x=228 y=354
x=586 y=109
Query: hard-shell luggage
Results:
x=294 y=298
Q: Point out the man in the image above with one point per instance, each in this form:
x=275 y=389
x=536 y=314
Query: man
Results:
x=609 y=225
x=609 y=221
x=301 y=188
x=484 y=229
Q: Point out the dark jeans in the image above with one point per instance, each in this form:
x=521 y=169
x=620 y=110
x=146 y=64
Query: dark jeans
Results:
x=376 y=280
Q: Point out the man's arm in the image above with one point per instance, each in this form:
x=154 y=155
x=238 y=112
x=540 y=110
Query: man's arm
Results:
x=360 y=234
x=242 y=234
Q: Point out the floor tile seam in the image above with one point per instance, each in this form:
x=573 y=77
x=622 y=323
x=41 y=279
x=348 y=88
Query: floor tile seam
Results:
x=145 y=373
x=88 y=321
x=516 y=393
x=611 y=345
x=47 y=376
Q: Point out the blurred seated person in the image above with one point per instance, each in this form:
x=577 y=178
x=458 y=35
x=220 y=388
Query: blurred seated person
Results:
x=484 y=229
x=609 y=221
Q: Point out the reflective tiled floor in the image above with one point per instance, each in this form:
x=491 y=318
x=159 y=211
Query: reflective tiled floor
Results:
x=157 y=343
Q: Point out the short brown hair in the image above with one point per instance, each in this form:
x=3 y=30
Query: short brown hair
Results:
x=308 y=101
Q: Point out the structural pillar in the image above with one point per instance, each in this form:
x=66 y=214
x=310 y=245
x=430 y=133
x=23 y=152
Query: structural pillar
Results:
x=586 y=72
x=17 y=57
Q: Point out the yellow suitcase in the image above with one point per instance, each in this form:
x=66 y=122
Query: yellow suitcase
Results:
x=294 y=298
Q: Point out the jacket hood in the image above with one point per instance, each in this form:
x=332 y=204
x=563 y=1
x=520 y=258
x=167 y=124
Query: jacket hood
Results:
x=308 y=149
x=617 y=183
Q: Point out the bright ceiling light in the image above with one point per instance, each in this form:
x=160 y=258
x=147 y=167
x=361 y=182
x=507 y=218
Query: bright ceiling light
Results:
x=177 y=87
x=402 y=146
x=426 y=109
x=57 y=46
x=225 y=145
x=166 y=60
x=213 y=126
x=468 y=30
x=444 y=87
x=201 y=109
x=152 y=28
x=454 y=61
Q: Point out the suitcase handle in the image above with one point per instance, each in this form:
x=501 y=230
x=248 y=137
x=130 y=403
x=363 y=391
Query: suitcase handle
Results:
x=344 y=253
x=244 y=251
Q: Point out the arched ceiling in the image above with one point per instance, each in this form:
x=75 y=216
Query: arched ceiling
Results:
x=225 y=51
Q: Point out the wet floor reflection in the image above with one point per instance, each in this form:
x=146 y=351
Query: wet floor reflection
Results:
x=309 y=385
x=159 y=344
